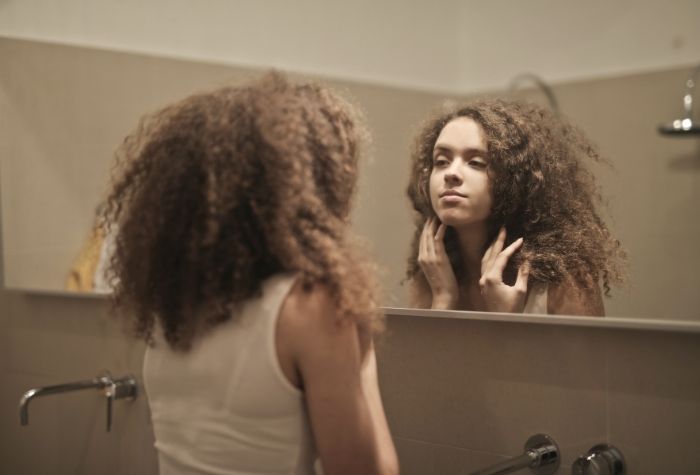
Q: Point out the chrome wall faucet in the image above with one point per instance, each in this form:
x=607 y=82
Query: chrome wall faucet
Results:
x=121 y=388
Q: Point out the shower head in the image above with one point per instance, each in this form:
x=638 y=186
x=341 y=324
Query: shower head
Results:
x=686 y=125
x=539 y=83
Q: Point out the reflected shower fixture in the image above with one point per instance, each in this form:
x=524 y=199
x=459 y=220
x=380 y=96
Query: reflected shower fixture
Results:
x=686 y=125
x=521 y=79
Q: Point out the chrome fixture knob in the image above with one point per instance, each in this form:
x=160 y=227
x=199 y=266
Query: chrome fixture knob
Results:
x=602 y=459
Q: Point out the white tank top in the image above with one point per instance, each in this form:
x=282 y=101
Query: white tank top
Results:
x=225 y=407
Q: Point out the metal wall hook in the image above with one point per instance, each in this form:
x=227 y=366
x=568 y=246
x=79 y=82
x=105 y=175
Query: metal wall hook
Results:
x=121 y=388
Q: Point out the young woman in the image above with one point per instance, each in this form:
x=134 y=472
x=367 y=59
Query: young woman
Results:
x=232 y=259
x=507 y=214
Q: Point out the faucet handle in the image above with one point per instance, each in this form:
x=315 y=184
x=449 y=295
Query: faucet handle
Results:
x=125 y=388
x=110 y=391
x=602 y=459
x=122 y=388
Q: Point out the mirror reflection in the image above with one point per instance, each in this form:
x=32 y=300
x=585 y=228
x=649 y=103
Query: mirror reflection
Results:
x=70 y=109
x=65 y=110
x=508 y=214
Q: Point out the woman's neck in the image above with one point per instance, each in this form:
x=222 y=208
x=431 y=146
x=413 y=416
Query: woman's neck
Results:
x=472 y=242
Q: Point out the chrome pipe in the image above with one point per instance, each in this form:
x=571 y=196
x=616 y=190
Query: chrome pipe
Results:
x=541 y=456
x=510 y=465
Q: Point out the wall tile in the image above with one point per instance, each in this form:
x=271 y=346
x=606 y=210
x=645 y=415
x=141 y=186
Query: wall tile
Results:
x=655 y=401
x=53 y=340
x=31 y=449
x=488 y=386
x=415 y=458
x=456 y=461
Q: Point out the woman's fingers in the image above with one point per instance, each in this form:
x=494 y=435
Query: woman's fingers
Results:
x=499 y=243
x=501 y=260
x=523 y=274
x=421 y=242
x=498 y=295
x=426 y=237
x=429 y=239
x=494 y=273
x=493 y=250
x=440 y=236
x=436 y=265
x=487 y=258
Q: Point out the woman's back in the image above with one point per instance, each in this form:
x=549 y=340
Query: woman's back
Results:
x=233 y=255
x=225 y=406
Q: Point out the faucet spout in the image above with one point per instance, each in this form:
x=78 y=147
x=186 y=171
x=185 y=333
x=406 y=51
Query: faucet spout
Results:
x=99 y=382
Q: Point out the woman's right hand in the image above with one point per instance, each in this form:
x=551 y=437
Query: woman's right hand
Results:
x=436 y=267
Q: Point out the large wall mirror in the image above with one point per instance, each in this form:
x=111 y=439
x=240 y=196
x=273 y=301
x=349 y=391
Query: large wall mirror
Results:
x=65 y=109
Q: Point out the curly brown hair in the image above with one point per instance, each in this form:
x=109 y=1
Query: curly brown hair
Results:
x=221 y=190
x=543 y=191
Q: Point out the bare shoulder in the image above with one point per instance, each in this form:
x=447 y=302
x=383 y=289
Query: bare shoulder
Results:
x=309 y=322
x=339 y=382
x=309 y=308
x=571 y=298
x=308 y=325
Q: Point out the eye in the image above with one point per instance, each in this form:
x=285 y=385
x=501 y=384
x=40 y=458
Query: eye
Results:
x=440 y=161
x=477 y=162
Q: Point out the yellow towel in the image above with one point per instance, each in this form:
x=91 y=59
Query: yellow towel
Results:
x=81 y=277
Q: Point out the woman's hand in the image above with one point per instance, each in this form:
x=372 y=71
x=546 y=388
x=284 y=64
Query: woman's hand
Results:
x=436 y=266
x=499 y=296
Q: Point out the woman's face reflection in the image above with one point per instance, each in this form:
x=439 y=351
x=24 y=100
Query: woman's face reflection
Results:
x=460 y=188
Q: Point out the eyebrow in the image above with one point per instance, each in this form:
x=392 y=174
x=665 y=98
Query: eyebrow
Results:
x=468 y=151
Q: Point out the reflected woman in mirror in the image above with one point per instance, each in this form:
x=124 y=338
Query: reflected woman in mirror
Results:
x=508 y=216
x=233 y=260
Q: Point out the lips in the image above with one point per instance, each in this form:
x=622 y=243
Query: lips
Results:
x=452 y=193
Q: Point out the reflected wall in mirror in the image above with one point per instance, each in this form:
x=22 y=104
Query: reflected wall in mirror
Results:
x=66 y=109
x=651 y=190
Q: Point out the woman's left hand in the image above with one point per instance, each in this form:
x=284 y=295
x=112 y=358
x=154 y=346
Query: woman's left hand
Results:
x=499 y=296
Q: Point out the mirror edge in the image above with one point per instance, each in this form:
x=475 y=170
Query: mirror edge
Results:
x=675 y=326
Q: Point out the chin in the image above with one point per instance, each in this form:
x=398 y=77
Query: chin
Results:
x=456 y=219
x=452 y=219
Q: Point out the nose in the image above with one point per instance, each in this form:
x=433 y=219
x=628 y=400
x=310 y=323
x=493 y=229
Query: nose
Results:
x=452 y=175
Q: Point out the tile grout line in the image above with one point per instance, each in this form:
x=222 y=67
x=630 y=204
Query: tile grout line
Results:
x=435 y=444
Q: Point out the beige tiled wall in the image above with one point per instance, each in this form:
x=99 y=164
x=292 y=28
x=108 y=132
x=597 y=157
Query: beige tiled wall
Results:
x=52 y=340
x=463 y=394
x=459 y=394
